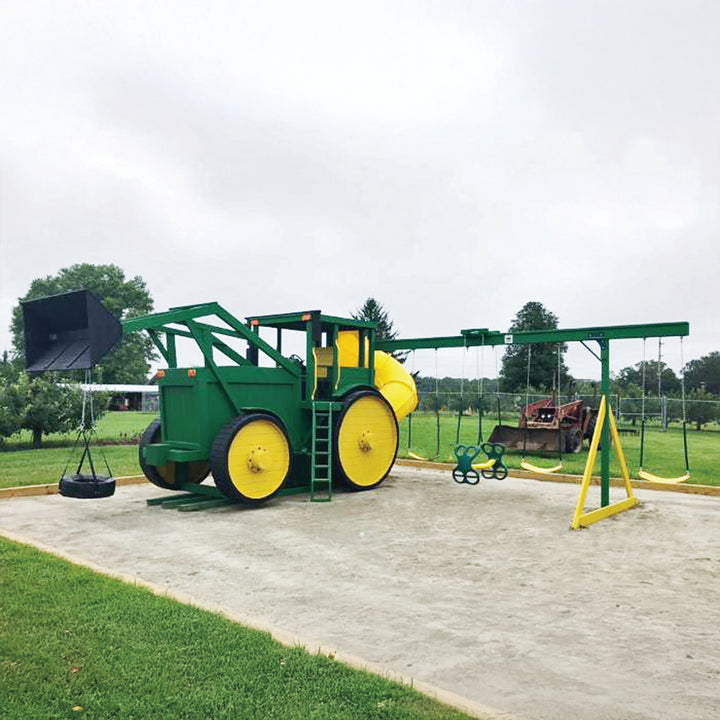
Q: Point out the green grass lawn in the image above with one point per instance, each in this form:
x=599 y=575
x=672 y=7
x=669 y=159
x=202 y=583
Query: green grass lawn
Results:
x=38 y=467
x=663 y=451
x=111 y=426
x=22 y=465
x=74 y=644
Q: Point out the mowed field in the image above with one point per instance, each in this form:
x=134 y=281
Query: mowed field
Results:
x=21 y=465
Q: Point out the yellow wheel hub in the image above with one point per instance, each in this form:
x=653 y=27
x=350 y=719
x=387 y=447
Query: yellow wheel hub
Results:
x=258 y=459
x=367 y=440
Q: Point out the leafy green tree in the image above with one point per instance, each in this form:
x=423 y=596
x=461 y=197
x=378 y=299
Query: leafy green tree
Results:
x=704 y=373
x=11 y=405
x=702 y=407
x=633 y=376
x=373 y=311
x=129 y=362
x=543 y=356
x=41 y=404
x=46 y=406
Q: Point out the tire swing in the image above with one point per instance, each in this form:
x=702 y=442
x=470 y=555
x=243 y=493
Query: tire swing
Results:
x=86 y=485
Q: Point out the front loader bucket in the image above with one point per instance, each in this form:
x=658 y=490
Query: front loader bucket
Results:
x=536 y=439
x=72 y=331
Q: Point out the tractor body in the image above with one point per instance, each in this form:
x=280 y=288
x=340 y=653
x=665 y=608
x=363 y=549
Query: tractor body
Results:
x=260 y=421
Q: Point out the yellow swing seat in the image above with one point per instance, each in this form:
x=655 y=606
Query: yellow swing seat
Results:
x=644 y=475
x=486 y=465
x=543 y=471
x=415 y=456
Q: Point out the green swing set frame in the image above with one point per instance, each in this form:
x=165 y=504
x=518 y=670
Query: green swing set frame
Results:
x=602 y=336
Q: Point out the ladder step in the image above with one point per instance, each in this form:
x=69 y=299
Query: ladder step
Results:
x=321 y=452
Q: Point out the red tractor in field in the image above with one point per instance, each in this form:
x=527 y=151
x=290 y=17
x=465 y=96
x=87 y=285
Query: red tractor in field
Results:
x=546 y=426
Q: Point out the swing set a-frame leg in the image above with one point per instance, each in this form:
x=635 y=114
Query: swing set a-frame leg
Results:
x=582 y=518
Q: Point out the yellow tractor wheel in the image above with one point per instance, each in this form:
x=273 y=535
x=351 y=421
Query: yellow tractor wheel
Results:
x=165 y=476
x=250 y=458
x=366 y=440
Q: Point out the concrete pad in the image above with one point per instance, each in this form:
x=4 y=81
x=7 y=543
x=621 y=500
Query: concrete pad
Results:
x=482 y=591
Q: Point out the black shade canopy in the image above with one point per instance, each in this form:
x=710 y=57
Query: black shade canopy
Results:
x=72 y=331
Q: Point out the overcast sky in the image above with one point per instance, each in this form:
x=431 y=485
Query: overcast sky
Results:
x=452 y=159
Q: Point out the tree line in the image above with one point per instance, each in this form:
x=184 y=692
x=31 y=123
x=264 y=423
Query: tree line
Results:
x=47 y=403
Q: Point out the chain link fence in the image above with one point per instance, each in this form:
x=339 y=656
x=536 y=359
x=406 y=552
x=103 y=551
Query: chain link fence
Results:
x=629 y=411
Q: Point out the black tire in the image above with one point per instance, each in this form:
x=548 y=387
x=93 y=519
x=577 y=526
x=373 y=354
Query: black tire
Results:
x=219 y=458
x=573 y=441
x=164 y=476
x=86 y=487
x=340 y=473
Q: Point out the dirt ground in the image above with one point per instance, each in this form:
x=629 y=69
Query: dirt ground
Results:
x=482 y=591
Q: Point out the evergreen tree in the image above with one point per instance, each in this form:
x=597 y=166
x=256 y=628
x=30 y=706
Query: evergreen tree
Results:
x=373 y=311
x=543 y=356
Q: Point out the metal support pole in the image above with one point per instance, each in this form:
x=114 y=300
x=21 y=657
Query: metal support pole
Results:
x=605 y=439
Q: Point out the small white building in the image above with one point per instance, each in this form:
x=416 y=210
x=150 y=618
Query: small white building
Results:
x=129 y=397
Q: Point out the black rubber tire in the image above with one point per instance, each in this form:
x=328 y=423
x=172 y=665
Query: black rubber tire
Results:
x=219 y=456
x=86 y=487
x=337 y=465
x=152 y=435
x=573 y=442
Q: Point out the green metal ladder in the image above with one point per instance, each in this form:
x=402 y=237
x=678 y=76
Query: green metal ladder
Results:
x=321 y=452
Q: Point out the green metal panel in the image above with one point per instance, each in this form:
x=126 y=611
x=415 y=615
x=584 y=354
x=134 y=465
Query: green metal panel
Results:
x=351 y=378
x=196 y=408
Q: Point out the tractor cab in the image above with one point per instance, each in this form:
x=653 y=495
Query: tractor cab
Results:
x=339 y=352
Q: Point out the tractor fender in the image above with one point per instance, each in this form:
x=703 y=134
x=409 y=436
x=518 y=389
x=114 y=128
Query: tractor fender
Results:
x=350 y=389
x=266 y=411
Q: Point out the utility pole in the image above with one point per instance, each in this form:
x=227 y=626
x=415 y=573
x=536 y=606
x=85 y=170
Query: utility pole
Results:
x=663 y=405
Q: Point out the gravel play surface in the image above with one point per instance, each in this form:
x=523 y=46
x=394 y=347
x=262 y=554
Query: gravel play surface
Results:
x=482 y=591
